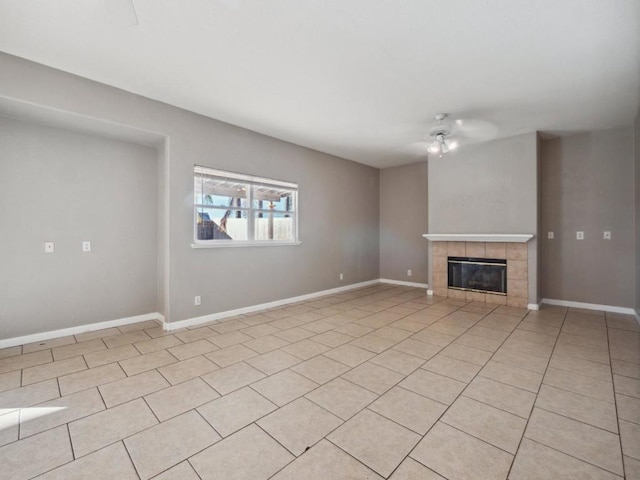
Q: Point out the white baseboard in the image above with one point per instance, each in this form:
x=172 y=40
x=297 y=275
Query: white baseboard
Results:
x=406 y=284
x=589 y=306
x=39 y=337
x=637 y=315
x=189 y=322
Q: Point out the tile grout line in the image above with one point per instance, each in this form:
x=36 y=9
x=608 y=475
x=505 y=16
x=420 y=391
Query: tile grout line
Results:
x=351 y=368
x=359 y=411
x=260 y=418
x=295 y=457
x=615 y=397
x=578 y=421
x=65 y=423
x=492 y=406
x=579 y=393
x=637 y=420
x=155 y=415
x=73 y=452
x=135 y=469
x=207 y=422
x=478 y=438
x=155 y=425
x=405 y=376
x=459 y=394
x=578 y=459
x=192 y=467
x=73 y=457
x=336 y=415
x=533 y=405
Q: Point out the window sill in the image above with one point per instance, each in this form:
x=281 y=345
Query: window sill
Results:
x=239 y=243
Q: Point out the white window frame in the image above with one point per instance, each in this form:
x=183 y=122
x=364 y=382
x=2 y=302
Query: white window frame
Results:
x=251 y=180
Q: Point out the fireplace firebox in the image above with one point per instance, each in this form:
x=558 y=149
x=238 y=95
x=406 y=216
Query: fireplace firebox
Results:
x=486 y=275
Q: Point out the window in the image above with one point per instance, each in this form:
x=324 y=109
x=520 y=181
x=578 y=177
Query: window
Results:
x=235 y=209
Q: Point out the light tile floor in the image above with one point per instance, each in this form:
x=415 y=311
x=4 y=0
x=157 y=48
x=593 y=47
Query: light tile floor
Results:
x=382 y=382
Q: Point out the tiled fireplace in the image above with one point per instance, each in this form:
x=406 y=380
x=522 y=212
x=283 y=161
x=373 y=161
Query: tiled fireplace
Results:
x=517 y=274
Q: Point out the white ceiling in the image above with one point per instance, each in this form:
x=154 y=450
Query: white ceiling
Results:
x=360 y=79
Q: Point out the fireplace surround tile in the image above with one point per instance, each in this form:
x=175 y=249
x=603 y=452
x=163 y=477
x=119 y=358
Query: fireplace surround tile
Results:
x=440 y=279
x=457 y=294
x=496 y=299
x=517 y=270
x=475 y=296
x=456 y=249
x=496 y=250
x=517 y=288
x=517 y=302
x=440 y=249
x=516 y=251
x=475 y=249
x=440 y=264
x=441 y=291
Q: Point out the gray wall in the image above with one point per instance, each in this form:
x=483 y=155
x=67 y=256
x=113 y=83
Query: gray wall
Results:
x=540 y=238
x=403 y=221
x=163 y=232
x=488 y=188
x=67 y=187
x=339 y=214
x=636 y=153
x=588 y=185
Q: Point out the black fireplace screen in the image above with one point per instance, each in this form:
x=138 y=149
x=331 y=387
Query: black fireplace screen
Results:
x=478 y=274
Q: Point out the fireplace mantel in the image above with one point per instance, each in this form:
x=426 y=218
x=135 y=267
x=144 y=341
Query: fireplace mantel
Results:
x=479 y=237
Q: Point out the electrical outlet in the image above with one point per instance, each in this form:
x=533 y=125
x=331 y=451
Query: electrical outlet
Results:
x=341 y=276
x=579 y=235
x=550 y=235
x=409 y=273
x=197 y=300
x=49 y=247
x=607 y=235
x=86 y=246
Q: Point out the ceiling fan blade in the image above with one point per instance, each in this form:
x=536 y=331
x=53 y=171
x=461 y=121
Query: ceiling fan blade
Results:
x=417 y=148
x=122 y=12
x=473 y=129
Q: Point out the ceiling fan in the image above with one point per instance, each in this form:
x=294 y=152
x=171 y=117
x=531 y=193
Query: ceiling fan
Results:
x=440 y=133
x=446 y=135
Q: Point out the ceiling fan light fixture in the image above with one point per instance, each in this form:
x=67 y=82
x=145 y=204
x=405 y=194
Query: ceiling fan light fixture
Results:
x=441 y=144
x=435 y=147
